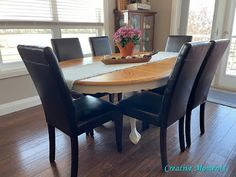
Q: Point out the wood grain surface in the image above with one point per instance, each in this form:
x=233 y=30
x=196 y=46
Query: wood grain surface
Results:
x=140 y=74
x=24 y=148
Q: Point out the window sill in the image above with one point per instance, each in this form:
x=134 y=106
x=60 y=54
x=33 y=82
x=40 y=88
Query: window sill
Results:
x=12 y=71
x=17 y=69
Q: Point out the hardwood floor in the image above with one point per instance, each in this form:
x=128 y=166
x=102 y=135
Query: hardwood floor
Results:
x=24 y=148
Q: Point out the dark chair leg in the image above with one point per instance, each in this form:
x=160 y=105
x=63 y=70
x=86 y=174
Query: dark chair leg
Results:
x=52 y=143
x=119 y=131
x=188 y=127
x=111 y=98
x=202 y=117
x=119 y=95
x=91 y=132
x=163 y=134
x=145 y=125
x=181 y=134
x=74 y=156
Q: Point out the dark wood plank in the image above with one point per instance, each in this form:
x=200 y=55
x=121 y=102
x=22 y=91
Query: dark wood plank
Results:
x=24 y=148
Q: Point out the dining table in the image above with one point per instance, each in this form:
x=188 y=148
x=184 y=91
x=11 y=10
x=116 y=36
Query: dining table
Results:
x=90 y=75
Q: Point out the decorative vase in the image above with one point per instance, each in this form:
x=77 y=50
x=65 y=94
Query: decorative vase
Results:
x=127 y=50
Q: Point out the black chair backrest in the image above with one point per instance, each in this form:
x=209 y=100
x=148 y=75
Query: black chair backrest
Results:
x=181 y=81
x=175 y=42
x=100 y=45
x=43 y=68
x=67 y=48
x=207 y=71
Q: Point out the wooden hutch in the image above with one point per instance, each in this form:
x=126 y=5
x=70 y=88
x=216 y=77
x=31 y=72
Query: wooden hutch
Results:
x=140 y=19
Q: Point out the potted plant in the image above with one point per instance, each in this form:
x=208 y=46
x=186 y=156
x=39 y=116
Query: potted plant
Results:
x=125 y=39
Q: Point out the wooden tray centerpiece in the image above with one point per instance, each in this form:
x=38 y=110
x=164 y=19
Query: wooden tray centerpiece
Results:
x=110 y=60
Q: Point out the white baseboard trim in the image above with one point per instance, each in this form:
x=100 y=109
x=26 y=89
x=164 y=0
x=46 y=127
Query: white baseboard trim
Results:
x=223 y=91
x=19 y=105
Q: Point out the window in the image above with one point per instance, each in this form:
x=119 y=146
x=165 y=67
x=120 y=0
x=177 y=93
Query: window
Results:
x=231 y=63
x=200 y=19
x=36 y=22
x=80 y=10
x=83 y=35
x=10 y=38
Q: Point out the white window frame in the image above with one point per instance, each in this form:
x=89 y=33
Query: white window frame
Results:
x=17 y=68
x=221 y=28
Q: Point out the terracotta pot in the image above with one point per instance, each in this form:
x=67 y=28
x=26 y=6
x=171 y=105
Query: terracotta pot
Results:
x=127 y=50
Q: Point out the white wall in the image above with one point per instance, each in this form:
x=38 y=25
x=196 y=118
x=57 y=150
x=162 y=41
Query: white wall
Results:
x=110 y=5
x=16 y=88
x=163 y=20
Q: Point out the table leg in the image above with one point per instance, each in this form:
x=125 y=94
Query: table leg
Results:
x=134 y=135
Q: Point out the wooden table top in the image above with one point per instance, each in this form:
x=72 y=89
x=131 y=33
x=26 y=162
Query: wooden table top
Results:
x=140 y=74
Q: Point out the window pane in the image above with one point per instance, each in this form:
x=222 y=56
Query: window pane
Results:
x=25 y=10
x=231 y=63
x=80 y=11
x=10 y=38
x=83 y=35
x=50 y=11
x=200 y=19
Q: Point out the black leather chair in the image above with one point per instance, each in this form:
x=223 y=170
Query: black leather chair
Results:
x=101 y=46
x=175 y=42
x=73 y=117
x=67 y=48
x=164 y=110
x=202 y=84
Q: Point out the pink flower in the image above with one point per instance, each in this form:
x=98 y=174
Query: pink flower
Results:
x=126 y=34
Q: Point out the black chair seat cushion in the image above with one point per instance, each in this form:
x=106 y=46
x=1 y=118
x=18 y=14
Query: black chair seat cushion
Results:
x=98 y=95
x=159 y=90
x=87 y=107
x=144 y=105
x=75 y=94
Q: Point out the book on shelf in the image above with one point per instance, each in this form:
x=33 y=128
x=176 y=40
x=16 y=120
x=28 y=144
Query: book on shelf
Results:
x=138 y=6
